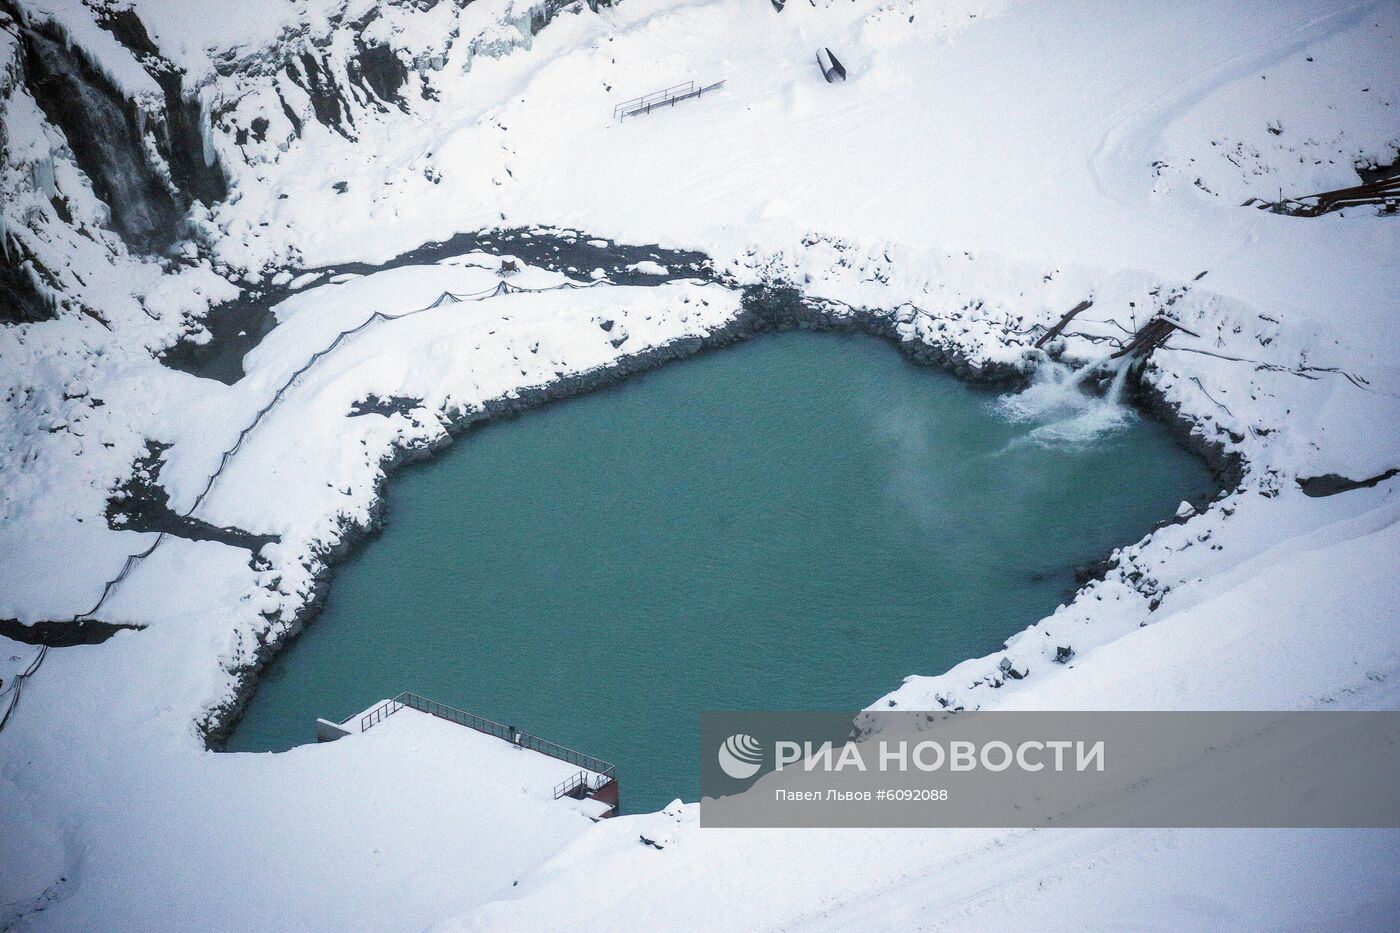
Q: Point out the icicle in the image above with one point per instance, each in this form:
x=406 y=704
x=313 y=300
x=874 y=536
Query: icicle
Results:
x=522 y=24
x=206 y=130
x=41 y=173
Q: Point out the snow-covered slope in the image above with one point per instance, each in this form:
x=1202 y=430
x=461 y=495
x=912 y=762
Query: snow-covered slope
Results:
x=987 y=166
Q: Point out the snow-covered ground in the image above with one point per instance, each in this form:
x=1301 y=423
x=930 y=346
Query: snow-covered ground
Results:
x=989 y=162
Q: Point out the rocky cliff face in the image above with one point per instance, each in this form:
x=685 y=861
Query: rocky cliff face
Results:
x=98 y=171
x=127 y=168
x=118 y=140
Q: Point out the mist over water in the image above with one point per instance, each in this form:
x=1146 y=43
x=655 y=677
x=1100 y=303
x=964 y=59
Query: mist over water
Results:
x=797 y=522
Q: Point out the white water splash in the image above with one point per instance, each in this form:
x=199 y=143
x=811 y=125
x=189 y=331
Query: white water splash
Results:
x=1062 y=411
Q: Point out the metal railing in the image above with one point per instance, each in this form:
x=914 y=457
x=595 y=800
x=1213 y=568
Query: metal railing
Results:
x=502 y=288
x=665 y=98
x=628 y=107
x=586 y=780
x=1383 y=191
x=380 y=713
x=605 y=771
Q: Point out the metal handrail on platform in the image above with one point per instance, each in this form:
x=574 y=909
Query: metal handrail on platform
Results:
x=627 y=106
x=606 y=771
x=584 y=779
x=380 y=713
x=664 y=98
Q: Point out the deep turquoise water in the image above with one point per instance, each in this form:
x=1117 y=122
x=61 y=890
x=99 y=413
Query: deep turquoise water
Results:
x=794 y=523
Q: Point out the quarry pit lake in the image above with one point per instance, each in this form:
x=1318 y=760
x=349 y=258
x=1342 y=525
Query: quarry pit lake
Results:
x=798 y=522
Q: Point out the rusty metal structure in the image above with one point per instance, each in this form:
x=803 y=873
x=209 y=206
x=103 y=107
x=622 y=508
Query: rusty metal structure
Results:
x=1059 y=326
x=1384 y=192
x=1150 y=336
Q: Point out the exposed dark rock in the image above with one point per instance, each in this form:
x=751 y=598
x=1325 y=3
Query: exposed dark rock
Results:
x=102 y=132
x=290 y=114
x=65 y=634
x=235 y=327
x=1094 y=570
x=1226 y=464
x=775 y=306
x=20 y=300
x=331 y=109
x=142 y=504
x=380 y=71
x=565 y=251
x=1329 y=484
x=181 y=138
x=1375 y=172
x=390 y=405
x=238 y=326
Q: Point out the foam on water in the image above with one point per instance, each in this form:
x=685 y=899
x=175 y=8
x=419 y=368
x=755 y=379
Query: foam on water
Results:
x=1063 y=411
